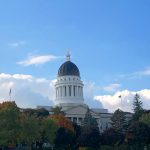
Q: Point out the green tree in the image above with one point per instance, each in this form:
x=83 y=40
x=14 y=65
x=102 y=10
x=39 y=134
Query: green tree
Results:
x=9 y=123
x=137 y=107
x=42 y=113
x=36 y=113
x=65 y=139
x=57 y=110
x=145 y=118
x=30 y=130
x=138 y=132
x=89 y=120
x=118 y=121
x=111 y=137
x=48 y=130
x=90 y=135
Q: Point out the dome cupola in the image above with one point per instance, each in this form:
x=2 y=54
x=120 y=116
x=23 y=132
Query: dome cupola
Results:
x=69 y=87
x=68 y=68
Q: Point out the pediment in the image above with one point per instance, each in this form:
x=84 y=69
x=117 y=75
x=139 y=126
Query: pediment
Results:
x=79 y=110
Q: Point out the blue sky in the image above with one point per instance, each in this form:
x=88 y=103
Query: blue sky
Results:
x=109 y=40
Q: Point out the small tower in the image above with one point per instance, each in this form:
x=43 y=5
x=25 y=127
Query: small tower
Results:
x=69 y=87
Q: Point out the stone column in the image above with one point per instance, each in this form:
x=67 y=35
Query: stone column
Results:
x=82 y=91
x=77 y=91
x=63 y=91
x=67 y=90
x=56 y=92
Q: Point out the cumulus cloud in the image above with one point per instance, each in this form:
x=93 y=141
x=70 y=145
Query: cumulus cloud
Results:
x=37 y=60
x=27 y=90
x=113 y=102
x=17 y=44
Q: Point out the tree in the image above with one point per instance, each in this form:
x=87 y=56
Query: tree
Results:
x=90 y=135
x=112 y=137
x=62 y=121
x=145 y=118
x=30 y=130
x=65 y=139
x=137 y=107
x=9 y=123
x=57 y=110
x=48 y=130
x=138 y=132
x=36 y=113
x=118 y=121
x=89 y=120
x=42 y=113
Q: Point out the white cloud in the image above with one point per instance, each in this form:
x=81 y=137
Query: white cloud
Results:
x=112 y=87
x=36 y=60
x=113 y=102
x=27 y=91
x=17 y=44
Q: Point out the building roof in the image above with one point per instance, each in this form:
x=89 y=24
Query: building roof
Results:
x=68 y=68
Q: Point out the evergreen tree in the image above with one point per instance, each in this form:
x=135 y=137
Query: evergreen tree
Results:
x=118 y=121
x=137 y=107
x=89 y=120
x=90 y=135
x=145 y=118
x=139 y=133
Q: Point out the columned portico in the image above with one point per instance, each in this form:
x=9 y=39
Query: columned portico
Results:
x=69 y=89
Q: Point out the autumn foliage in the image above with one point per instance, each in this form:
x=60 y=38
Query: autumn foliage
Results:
x=62 y=121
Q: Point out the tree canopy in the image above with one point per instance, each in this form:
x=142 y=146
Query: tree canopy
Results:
x=137 y=107
x=118 y=121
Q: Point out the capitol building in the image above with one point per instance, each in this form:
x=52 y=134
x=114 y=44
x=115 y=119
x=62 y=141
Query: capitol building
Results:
x=70 y=97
